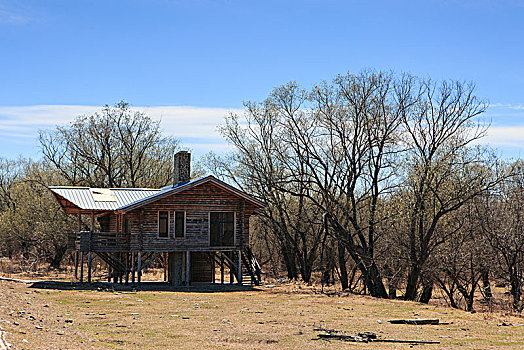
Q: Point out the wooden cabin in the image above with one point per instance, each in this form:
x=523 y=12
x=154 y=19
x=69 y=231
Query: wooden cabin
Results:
x=193 y=227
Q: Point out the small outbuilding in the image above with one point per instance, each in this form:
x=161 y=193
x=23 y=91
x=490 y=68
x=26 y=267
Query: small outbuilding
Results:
x=193 y=227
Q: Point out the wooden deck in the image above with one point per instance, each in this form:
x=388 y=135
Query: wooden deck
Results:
x=126 y=254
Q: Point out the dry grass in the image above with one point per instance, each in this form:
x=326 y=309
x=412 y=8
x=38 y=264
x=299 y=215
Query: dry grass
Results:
x=281 y=317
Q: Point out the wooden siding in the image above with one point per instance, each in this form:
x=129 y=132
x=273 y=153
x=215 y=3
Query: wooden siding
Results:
x=197 y=202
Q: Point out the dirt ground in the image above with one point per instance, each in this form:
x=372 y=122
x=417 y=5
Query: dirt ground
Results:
x=72 y=316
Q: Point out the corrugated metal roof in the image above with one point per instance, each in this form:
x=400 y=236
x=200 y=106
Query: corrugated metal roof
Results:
x=83 y=197
x=130 y=198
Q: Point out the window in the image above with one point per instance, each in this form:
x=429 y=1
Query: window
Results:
x=127 y=225
x=180 y=223
x=163 y=224
x=222 y=229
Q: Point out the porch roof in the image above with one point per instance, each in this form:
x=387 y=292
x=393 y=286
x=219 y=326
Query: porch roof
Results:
x=84 y=200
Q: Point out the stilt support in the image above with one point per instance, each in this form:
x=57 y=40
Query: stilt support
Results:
x=188 y=268
x=133 y=268
x=81 y=266
x=76 y=264
x=89 y=263
x=139 y=268
x=239 y=272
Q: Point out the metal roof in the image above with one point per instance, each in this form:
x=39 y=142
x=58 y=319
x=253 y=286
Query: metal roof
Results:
x=83 y=197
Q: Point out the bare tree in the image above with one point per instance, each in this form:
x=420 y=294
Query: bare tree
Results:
x=257 y=167
x=113 y=148
x=33 y=227
x=443 y=172
x=500 y=214
x=344 y=147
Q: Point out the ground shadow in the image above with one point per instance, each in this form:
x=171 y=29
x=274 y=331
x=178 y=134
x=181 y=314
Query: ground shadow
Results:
x=144 y=286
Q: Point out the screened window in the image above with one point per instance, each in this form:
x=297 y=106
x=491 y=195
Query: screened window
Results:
x=163 y=224
x=180 y=223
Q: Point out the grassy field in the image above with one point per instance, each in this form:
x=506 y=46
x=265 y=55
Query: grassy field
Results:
x=283 y=317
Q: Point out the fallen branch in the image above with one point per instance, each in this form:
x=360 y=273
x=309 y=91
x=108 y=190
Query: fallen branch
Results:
x=344 y=337
x=417 y=321
x=368 y=337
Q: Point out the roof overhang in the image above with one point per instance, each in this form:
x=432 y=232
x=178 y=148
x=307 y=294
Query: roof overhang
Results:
x=71 y=208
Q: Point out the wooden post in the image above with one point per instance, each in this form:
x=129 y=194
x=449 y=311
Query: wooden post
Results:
x=120 y=272
x=76 y=251
x=109 y=271
x=132 y=268
x=76 y=264
x=81 y=266
x=89 y=255
x=188 y=268
x=115 y=270
x=221 y=268
x=89 y=262
x=165 y=267
x=231 y=273
x=239 y=275
x=213 y=267
x=139 y=268
x=127 y=267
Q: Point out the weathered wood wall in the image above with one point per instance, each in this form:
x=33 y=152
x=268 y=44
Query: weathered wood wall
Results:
x=197 y=202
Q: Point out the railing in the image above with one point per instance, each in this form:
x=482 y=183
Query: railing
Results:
x=252 y=265
x=101 y=241
x=125 y=242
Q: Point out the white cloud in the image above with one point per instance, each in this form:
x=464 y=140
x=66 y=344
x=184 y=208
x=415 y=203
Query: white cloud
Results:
x=196 y=127
x=518 y=107
x=512 y=136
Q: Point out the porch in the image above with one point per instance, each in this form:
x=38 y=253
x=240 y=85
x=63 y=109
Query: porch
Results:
x=127 y=255
x=85 y=241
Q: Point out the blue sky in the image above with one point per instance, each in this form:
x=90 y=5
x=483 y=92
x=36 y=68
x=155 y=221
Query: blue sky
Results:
x=190 y=62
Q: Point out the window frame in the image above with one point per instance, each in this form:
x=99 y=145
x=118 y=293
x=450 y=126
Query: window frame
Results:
x=234 y=226
x=174 y=224
x=168 y=223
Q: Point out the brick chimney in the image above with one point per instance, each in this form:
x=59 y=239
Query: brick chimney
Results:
x=182 y=170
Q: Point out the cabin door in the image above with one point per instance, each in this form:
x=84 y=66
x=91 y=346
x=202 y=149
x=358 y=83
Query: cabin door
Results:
x=222 y=229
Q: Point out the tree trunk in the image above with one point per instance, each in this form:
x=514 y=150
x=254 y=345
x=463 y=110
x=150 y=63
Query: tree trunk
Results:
x=412 y=282
x=516 y=291
x=290 y=262
x=392 y=290
x=342 y=267
x=305 y=272
x=486 y=285
x=427 y=292
x=470 y=300
x=58 y=256
x=376 y=286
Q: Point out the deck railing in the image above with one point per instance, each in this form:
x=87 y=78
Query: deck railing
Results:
x=125 y=242
x=101 y=241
